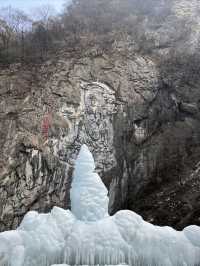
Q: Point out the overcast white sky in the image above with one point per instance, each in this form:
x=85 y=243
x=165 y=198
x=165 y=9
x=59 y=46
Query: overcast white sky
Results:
x=28 y=5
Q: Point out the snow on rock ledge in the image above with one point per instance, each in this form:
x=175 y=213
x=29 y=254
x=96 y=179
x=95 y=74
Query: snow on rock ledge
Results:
x=92 y=237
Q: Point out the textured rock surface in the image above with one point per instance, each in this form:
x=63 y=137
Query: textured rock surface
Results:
x=64 y=104
x=144 y=131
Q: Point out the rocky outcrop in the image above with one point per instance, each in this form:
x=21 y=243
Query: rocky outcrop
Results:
x=65 y=104
x=141 y=125
x=174 y=203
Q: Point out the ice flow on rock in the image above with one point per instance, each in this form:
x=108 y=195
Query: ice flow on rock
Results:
x=89 y=200
x=87 y=235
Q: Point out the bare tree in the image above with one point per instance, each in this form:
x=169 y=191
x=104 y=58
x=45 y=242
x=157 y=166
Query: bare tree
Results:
x=14 y=25
x=5 y=37
x=44 y=14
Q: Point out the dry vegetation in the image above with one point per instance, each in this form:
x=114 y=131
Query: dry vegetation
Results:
x=84 y=23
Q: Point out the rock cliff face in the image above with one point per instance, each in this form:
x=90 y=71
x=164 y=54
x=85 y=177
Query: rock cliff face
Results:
x=143 y=130
x=62 y=105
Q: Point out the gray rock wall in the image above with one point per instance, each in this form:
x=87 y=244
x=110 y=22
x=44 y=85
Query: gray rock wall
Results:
x=141 y=123
x=65 y=104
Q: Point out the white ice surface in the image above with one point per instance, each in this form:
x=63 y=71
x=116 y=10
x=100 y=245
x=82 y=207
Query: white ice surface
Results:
x=89 y=200
x=65 y=237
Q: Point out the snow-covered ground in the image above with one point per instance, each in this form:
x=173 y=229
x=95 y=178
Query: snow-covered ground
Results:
x=87 y=235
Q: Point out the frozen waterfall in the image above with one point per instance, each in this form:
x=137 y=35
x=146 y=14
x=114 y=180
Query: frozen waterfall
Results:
x=89 y=200
x=87 y=235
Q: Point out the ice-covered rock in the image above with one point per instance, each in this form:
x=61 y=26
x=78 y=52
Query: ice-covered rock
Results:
x=87 y=236
x=127 y=238
x=89 y=200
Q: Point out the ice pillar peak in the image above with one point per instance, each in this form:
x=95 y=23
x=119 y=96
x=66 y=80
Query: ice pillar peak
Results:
x=89 y=200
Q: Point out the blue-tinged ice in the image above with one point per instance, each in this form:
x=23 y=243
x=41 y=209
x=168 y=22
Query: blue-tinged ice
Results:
x=87 y=235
